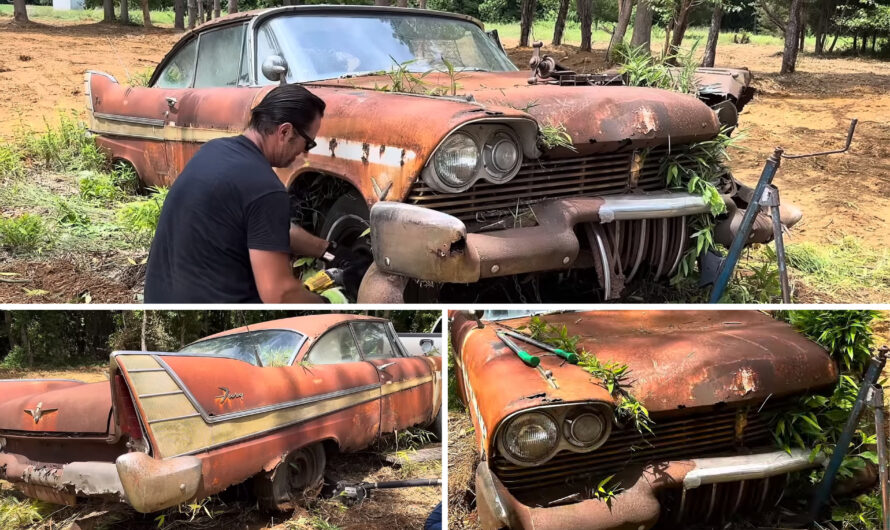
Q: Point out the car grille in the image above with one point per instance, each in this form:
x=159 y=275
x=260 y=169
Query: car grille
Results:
x=537 y=180
x=689 y=436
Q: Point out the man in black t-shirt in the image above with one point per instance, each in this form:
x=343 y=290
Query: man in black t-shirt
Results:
x=225 y=235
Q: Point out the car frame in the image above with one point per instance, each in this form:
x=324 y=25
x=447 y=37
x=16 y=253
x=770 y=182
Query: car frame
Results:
x=597 y=209
x=712 y=381
x=168 y=428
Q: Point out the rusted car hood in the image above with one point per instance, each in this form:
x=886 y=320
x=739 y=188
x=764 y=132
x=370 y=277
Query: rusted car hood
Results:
x=599 y=117
x=678 y=359
x=65 y=407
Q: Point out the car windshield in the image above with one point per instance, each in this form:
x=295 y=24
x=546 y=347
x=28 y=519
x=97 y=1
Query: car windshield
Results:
x=273 y=347
x=507 y=314
x=330 y=46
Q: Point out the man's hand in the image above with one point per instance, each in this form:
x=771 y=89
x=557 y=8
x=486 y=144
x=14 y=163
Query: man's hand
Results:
x=303 y=243
x=341 y=256
x=275 y=279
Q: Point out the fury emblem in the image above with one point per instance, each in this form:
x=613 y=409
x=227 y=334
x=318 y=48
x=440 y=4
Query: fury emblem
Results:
x=227 y=396
x=38 y=412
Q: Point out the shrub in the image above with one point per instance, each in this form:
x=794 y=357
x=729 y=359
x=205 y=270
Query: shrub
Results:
x=68 y=147
x=10 y=162
x=25 y=232
x=97 y=186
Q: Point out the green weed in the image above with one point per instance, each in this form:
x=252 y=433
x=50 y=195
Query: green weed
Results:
x=98 y=186
x=842 y=268
x=15 y=513
x=555 y=135
x=10 y=162
x=315 y=522
x=141 y=217
x=140 y=78
x=24 y=233
x=67 y=147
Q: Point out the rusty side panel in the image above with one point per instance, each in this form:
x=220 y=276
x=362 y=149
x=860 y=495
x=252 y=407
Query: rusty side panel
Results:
x=678 y=360
x=55 y=407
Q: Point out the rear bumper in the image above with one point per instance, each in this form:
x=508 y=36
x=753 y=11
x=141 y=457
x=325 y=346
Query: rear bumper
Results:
x=425 y=244
x=637 y=506
x=145 y=483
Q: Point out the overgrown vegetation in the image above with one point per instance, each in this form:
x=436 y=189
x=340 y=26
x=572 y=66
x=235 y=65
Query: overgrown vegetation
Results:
x=141 y=216
x=23 y=233
x=20 y=513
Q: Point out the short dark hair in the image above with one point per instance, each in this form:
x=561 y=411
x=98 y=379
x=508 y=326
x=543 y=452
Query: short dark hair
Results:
x=286 y=104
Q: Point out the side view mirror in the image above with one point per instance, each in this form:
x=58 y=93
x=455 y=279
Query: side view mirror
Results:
x=275 y=68
x=426 y=345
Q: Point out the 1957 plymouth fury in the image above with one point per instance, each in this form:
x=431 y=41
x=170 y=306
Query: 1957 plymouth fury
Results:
x=711 y=381
x=266 y=403
x=433 y=138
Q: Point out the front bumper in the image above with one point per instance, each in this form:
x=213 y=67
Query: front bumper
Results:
x=146 y=483
x=637 y=506
x=426 y=244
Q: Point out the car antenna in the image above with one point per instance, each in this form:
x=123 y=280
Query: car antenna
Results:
x=256 y=352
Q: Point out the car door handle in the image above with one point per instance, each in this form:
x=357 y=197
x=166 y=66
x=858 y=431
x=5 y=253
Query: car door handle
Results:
x=383 y=367
x=171 y=102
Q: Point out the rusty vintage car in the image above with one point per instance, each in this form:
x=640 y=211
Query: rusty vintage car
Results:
x=448 y=167
x=268 y=402
x=711 y=380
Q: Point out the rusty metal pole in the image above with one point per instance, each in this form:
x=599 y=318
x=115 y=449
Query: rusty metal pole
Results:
x=877 y=401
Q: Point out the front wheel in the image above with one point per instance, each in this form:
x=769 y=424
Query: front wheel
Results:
x=299 y=473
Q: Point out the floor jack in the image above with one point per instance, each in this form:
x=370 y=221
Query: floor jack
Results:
x=357 y=492
x=765 y=196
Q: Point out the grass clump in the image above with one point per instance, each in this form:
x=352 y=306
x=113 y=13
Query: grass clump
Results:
x=15 y=513
x=842 y=268
x=10 y=162
x=140 y=78
x=24 y=233
x=555 y=135
x=141 y=217
x=67 y=147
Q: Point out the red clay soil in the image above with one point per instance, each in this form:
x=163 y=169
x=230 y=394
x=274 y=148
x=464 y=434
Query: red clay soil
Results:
x=63 y=280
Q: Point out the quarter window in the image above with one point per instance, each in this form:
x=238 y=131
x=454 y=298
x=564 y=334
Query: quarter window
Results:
x=179 y=72
x=335 y=346
x=219 y=57
x=374 y=340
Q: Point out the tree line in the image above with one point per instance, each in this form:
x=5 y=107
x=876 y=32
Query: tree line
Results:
x=58 y=339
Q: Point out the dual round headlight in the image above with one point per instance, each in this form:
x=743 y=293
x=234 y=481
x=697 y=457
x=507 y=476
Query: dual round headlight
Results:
x=492 y=153
x=534 y=437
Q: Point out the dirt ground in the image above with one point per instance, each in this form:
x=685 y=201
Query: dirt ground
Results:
x=42 y=66
x=236 y=508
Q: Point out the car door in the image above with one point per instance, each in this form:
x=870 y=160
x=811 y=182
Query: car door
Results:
x=407 y=384
x=217 y=95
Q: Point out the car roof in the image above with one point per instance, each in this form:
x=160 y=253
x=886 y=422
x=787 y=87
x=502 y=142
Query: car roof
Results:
x=323 y=8
x=312 y=326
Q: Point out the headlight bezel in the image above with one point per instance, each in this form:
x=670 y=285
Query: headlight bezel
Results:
x=561 y=414
x=486 y=134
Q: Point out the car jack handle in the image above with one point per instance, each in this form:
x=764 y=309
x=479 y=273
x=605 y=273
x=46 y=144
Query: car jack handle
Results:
x=869 y=381
x=526 y=357
x=760 y=198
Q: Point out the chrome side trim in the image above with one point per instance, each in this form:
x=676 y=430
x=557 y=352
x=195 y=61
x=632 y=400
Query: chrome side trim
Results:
x=154 y=122
x=748 y=467
x=152 y=422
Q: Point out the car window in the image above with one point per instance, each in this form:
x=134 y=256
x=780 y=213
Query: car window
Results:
x=219 y=57
x=373 y=340
x=335 y=346
x=179 y=72
x=274 y=347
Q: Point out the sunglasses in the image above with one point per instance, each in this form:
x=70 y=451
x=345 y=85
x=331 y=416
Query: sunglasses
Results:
x=310 y=143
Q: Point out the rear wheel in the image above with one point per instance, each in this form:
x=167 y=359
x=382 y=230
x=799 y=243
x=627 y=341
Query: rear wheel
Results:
x=299 y=473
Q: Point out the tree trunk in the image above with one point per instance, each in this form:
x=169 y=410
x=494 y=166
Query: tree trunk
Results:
x=193 y=12
x=642 y=35
x=125 y=11
x=821 y=29
x=382 y=2
x=178 y=14
x=585 y=17
x=7 y=316
x=713 y=35
x=803 y=27
x=421 y=4
x=146 y=14
x=402 y=3
x=19 y=11
x=144 y=327
x=833 y=42
x=108 y=11
x=560 y=25
x=624 y=9
x=26 y=343
x=789 y=54
x=217 y=9
x=200 y=12
x=527 y=19
x=233 y=6
x=680 y=25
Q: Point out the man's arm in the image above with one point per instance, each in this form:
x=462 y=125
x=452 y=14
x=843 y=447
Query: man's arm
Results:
x=303 y=243
x=275 y=280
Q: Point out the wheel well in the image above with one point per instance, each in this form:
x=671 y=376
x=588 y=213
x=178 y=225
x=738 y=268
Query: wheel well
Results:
x=331 y=447
x=311 y=196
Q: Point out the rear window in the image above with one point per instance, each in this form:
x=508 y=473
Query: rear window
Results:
x=273 y=347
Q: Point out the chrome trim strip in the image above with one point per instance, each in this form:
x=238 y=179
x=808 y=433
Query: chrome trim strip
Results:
x=748 y=467
x=651 y=206
x=159 y=394
x=154 y=122
x=195 y=415
x=143 y=370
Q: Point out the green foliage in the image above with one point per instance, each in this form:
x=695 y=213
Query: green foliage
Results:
x=15 y=513
x=604 y=491
x=141 y=216
x=98 y=186
x=24 y=233
x=555 y=135
x=67 y=147
x=863 y=511
x=842 y=267
x=611 y=375
x=757 y=281
x=640 y=69
x=847 y=335
x=10 y=162
x=140 y=78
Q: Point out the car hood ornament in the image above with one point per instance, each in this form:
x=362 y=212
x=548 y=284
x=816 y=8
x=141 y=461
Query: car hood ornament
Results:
x=38 y=412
